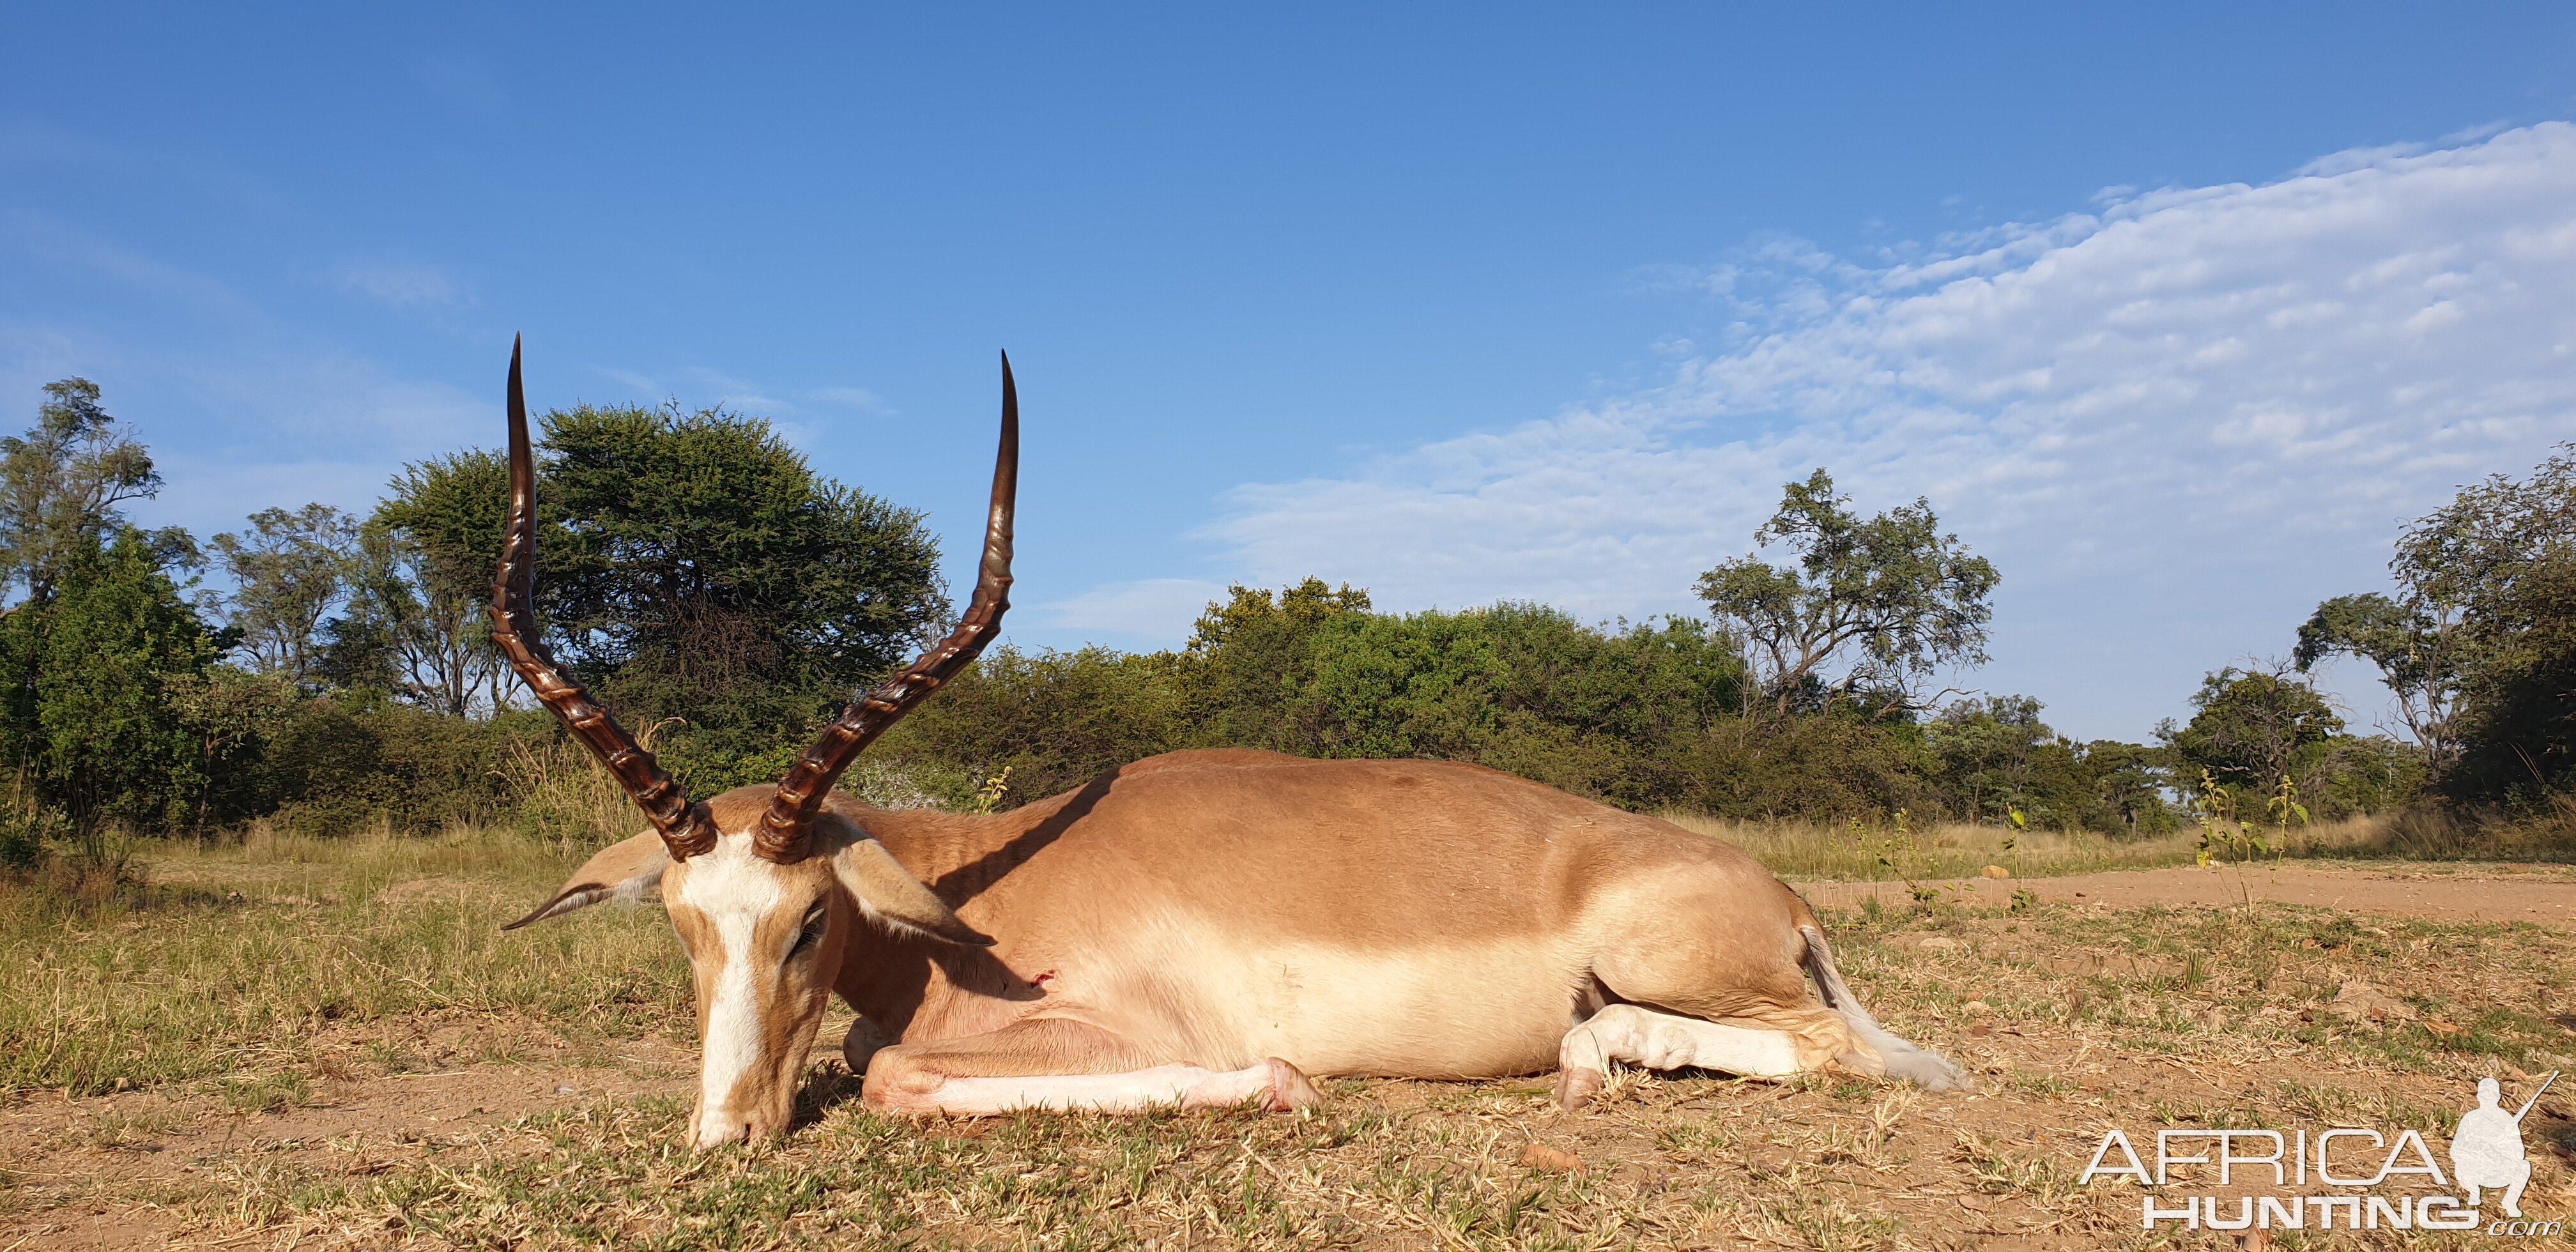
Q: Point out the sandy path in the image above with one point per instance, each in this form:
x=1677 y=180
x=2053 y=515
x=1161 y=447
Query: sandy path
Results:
x=2543 y=896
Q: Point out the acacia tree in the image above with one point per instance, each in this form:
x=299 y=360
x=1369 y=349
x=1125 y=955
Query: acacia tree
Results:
x=702 y=570
x=425 y=572
x=1892 y=594
x=289 y=570
x=2418 y=645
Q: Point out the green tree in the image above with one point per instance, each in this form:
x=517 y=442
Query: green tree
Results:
x=2125 y=784
x=1892 y=593
x=704 y=571
x=2417 y=647
x=1251 y=655
x=91 y=720
x=60 y=484
x=2252 y=728
x=1990 y=754
x=1049 y=721
x=289 y=570
x=418 y=616
x=2502 y=557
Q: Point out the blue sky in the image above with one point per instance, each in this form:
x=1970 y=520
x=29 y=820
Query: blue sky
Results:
x=2176 y=312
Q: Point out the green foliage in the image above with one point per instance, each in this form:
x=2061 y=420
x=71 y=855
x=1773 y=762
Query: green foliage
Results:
x=352 y=762
x=1648 y=717
x=289 y=571
x=2520 y=727
x=1893 y=589
x=1521 y=688
x=416 y=623
x=1996 y=761
x=90 y=722
x=701 y=570
x=2478 y=646
x=2418 y=648
x=2250 y=728
x=1051 y=721
x=1250 y=657
x=60 y=484
x=1826 y=767
x=2504 y=551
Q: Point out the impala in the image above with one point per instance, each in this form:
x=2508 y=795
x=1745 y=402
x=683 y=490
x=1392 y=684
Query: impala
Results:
x=1197 y=929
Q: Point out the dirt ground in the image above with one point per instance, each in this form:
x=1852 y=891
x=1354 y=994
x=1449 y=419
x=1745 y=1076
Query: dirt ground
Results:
x=2083 y=1006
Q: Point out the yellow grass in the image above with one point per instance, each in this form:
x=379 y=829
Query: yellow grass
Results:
x=1882 y=852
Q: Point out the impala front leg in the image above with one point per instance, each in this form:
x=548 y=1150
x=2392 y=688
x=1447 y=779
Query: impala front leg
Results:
x=1053 y=1063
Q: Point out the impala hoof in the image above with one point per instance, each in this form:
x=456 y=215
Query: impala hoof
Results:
x=1576 y=1087
x=1290 y=1089
x=862 y=1044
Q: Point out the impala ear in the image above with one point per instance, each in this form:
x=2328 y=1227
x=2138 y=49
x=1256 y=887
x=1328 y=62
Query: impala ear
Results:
x=891 y=896
x=628 y=869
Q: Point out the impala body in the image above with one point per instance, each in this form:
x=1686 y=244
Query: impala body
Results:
x=1196 y=929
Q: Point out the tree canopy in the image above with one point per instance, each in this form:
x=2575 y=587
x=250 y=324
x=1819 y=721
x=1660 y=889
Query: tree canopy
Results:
x=695 y=567
x=60 y=484
x=2479 y=644
x=1891 y=596
x=289 y=571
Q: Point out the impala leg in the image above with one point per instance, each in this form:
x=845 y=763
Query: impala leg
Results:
x=1053 y=1063
x=1635 y=1035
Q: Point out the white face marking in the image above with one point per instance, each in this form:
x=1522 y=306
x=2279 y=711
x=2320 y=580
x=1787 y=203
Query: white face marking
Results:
x=734 y=890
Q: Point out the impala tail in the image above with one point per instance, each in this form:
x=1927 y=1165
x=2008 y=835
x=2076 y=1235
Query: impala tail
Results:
x=1904 y=1059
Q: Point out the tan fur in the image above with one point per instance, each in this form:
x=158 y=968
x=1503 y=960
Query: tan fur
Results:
x=1220 y=909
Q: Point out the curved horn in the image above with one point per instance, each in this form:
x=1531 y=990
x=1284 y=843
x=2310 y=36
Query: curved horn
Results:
x=781 y=835
x=686 y=828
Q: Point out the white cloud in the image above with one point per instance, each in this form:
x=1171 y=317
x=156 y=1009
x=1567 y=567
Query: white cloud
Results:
x=400 y=284
x=1148 y=608
x=2176 y=422
x=859 y=398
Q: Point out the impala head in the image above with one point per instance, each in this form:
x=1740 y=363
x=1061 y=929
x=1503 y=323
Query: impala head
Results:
x=767 y=888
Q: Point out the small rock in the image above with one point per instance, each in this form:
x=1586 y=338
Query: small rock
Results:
x=1539 y=1156
x=1996 y=871
x=566 y=1090
x=1976 y=1006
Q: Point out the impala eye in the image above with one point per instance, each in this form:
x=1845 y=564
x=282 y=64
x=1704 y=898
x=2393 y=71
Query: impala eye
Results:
x=816 y=918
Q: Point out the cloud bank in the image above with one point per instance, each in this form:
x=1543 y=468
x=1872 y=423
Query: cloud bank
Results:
x=2176 y=422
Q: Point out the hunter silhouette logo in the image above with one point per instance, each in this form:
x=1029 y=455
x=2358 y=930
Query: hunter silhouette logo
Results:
x=2486 y=1151
x=2388 y=1182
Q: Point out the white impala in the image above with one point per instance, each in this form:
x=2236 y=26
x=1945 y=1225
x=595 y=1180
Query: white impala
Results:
x=1201 y=928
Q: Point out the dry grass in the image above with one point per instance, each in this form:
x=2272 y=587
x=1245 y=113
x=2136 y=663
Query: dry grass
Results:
x=1878 y=852
x=231 y=954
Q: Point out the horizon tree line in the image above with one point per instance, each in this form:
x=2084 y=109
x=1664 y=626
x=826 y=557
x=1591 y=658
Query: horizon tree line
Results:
x=705 y=580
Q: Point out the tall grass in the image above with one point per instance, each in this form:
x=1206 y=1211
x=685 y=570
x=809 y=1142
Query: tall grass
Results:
x=240 y=957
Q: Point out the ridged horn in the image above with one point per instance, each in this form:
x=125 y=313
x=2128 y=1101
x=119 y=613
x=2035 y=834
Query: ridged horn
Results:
x=783 y=833
x=686 y=829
